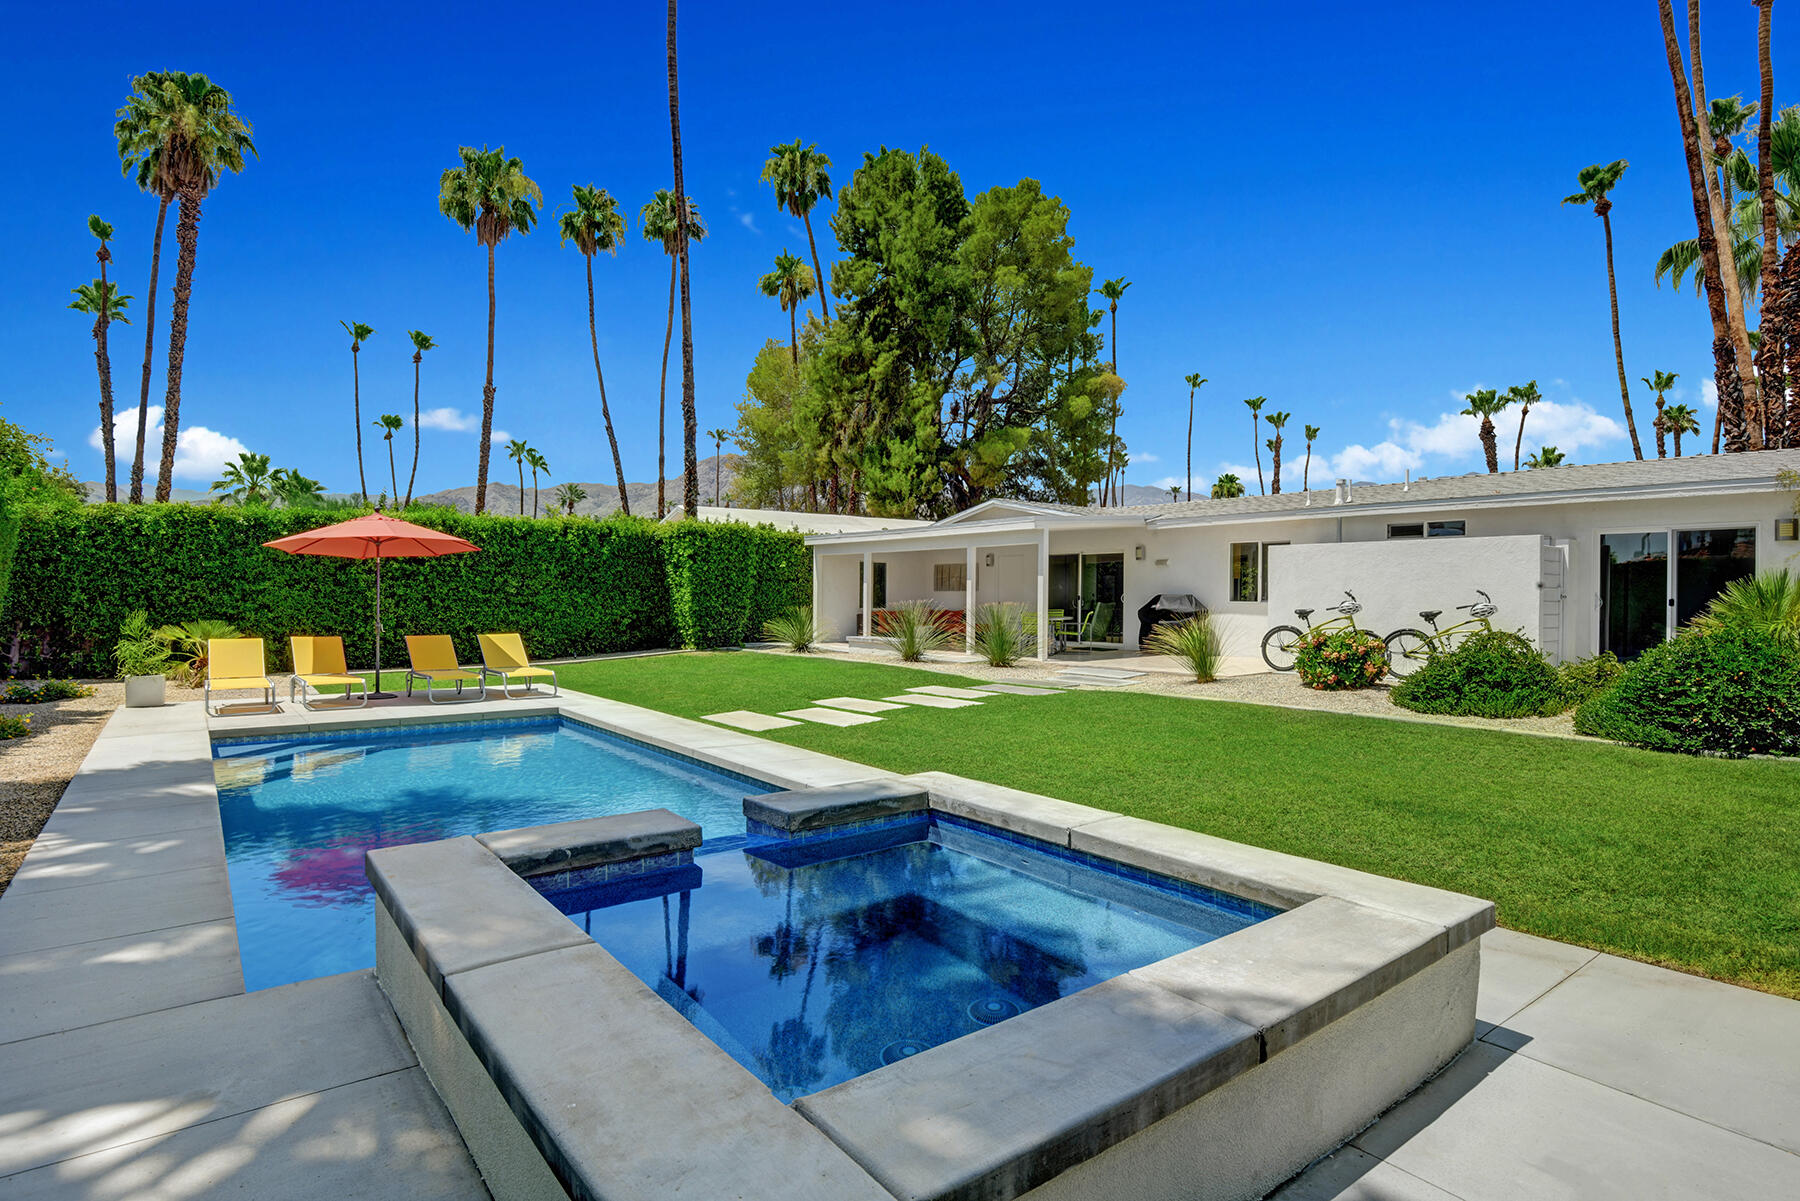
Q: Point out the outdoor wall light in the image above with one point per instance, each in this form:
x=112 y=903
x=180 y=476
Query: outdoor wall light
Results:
x=990 y=558
x=1787 y=529
x=1140 y=554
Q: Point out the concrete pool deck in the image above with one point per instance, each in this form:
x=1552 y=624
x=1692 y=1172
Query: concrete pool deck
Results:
x=132 y=1063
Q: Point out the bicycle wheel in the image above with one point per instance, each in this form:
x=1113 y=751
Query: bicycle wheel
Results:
x=1278 y=647
x=1407 y=652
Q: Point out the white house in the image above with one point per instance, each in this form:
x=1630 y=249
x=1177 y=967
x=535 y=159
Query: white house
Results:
x=1581 y=559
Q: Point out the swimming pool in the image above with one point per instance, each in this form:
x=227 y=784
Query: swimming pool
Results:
x=816 y=961
x=299 y=813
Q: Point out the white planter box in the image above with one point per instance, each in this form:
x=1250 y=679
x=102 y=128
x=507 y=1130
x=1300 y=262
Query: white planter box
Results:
x=144 y=692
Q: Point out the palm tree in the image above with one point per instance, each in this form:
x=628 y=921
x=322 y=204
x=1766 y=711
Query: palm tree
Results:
x=1174 y=493
x=790 y=283
x=718 y=436
x=1193 y=382
x=388 y=423
x=799 y=177
x=658 y=224
x=1111 y=291
x=1595 y=182
x=1745 y=203
x=1526 y=395
x=245 y=482
x=690 y=424
x=1659 y=383
x=1487 y=404
x=359 y=333
x=490 y=194
x=568 y=496
x=1227 y=486
x=1255 y=404
x=102 y=299
x=516 y=450
x=1765 y=138
x=596 y=224
x=1276 y=421
x=538 y=463
x=1679 y=420
x=1312 y=435
x=187 y=123
x=295 y=490
x=421 y=343
x=143 y=127
x=1548 y=456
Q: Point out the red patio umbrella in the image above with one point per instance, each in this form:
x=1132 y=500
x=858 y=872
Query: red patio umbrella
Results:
x=376 y=536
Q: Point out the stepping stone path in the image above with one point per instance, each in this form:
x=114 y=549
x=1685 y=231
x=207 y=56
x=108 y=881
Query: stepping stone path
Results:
x=1020 y=690
x=858 y=705
x=931 y=702
x=743 y=719
x=830 y=717
x=960 y=694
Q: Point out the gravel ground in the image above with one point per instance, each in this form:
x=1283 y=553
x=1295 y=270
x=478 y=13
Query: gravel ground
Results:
x=1262 y=688
x=35 y=769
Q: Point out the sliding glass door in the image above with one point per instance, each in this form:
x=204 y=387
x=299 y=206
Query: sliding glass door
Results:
x=1706 y=561
x=1645 y=594
x=1090 y=589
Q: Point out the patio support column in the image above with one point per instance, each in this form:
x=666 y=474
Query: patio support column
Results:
x=1043 y=596
x=818 y=596
x=969 y=600
x=868 y=593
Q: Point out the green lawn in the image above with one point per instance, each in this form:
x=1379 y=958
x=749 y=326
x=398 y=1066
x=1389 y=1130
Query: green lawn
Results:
x=1674 y=860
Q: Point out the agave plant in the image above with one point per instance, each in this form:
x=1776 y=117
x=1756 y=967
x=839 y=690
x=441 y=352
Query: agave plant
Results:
x=1765 y=604
x=794 y=629
x=1000 y=635
x=914 y=629
x=1195 y=642
x=187 y=647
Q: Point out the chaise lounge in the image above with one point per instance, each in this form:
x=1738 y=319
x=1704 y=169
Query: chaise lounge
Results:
x=432 y=659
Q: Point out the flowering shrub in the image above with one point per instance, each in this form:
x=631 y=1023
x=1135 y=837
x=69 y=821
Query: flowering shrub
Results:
x=1340 y=659
x=46 y=690
x=14 y=727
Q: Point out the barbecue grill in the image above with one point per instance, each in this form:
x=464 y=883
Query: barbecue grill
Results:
x=1165 y=608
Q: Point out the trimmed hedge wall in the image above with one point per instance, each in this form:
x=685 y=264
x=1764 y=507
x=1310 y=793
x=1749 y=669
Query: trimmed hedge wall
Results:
x=571 y=586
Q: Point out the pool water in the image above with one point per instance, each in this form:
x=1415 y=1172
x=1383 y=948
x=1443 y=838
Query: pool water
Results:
x=299 y=813
x=817 y=961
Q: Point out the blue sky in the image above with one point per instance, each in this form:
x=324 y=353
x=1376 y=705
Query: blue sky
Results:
x=1352 y=210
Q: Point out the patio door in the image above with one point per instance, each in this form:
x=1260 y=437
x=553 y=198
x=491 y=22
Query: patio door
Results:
x=1647 y=593
x=1102 y=598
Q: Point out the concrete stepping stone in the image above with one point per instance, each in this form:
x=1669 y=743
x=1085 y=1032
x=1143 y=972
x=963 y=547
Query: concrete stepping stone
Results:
x=830 y=717
x=858 y=705
x=930 y=702
x=960 y=694
x=743 y=719
x=1019 y=690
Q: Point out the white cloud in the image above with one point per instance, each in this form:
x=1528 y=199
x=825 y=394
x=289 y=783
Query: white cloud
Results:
x=1709 y=394
x=454 y=420
x=748 y=221
x=200 y=453
x=499 y=438
x=1144 y=457
x=1454 y=440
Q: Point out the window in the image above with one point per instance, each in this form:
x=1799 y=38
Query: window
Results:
x=1427 y=529
x=1246 y=571
x=949 y=577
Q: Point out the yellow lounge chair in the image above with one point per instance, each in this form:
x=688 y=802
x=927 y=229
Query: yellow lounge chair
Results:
x=433 y=660
x=319 y=662
x=503 y=655
x=236 y=663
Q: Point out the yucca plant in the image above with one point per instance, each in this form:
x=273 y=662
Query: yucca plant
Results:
x=794 y=629
x=1195 y=642
x=187 y=646
x=914 y=629
x=1000 y=636
x=1765 y=604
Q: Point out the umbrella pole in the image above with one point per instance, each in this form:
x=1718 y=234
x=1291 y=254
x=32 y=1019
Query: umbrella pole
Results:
x=378 y=694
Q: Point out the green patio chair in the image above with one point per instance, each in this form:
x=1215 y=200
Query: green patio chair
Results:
x=1099 y=620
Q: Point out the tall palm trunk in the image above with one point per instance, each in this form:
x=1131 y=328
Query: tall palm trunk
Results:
x=1190 y=446
x=690 y=424
x=418 y=357
x=362 y=481
x=103 y=361
x=522 y=487
x=1661 y=449
x=1256 y=450
x=1112 y=445
x=534 y=493
x=1275 y=471
x=1678 y=444
x=487 y=396
x=1603 y=206
x=820 y=275
x=1519 y=442
x=662 y=393
x=1490 y=444
x=793 y=336
x=137 y=463
x=1778 y=420
x=1730 y=417
x=605 y=413
x=393 y=473
x=187 y=238
x=1305 y=471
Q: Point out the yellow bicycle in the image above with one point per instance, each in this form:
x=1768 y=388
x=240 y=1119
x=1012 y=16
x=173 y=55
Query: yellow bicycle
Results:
x=1280 y=644
x=1409 y=649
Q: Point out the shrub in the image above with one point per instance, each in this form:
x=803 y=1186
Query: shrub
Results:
x=914 y=629
x=1491 y=673
x=1766 y=604
x=794 y=629
x=187 y=647
x=1582 y=679
x=1340 y=659
x=1000 y=636
x=1195 y=642
x=139 y=652
x=47 y=690
x=14 y=727
x=1724 y=692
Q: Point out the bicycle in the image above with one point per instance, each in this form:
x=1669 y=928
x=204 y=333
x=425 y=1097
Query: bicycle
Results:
x=1410 y=649
x=1280 y=644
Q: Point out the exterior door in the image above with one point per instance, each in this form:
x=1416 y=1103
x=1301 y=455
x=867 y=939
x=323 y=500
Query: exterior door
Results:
x=1706 y=561
x=1634 y=592
x=1102 y=598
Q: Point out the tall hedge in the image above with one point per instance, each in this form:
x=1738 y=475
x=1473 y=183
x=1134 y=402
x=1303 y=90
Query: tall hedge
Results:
x=571 y=586
x=9 y=541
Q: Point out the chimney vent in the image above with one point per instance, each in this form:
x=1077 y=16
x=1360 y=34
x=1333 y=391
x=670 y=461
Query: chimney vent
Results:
x=1341 y=495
